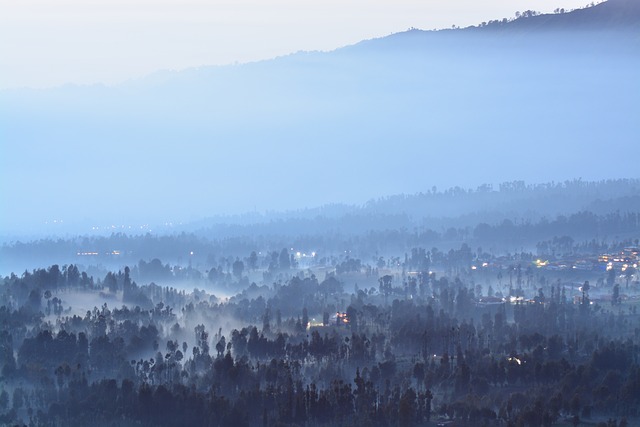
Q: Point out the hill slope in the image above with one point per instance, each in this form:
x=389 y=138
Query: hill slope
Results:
x=393 y=115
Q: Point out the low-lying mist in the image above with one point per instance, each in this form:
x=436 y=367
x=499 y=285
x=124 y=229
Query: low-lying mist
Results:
x=388 y=116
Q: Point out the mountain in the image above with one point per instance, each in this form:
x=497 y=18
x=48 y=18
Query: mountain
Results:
x=608 y=15
x=541 y=98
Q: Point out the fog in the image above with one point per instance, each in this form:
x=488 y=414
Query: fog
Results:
x=395 y=115
x=111 y=41
x=427 y=229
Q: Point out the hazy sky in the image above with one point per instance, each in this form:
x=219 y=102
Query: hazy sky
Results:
x=52 y=42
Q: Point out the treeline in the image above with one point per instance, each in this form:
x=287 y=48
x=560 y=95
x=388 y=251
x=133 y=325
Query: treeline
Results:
x=189 y=248
x=403 y=354
x=451 y=207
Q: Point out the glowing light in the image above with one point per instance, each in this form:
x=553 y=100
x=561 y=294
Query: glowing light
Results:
x=514 y=359
x=342 y=317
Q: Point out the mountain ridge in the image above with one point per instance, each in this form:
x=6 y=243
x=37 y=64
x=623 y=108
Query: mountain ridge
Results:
x=387 y=116
x=609 y=16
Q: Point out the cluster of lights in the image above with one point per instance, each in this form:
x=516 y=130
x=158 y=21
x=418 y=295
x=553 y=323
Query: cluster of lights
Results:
x=541 y=263
x=342 y=317
x=305 y=255
x=122 y=227
x=473 y=267
x=97 y=253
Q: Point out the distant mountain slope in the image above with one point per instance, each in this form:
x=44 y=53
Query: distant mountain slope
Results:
x=457 y=207
x=613 y=22
x=609 y=15
x=393 y=115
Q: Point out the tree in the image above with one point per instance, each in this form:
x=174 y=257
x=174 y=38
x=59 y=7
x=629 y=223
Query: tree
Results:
x=111 y=282
x=385 y=285
x=352 y=315
x=127 y=285
x=6 y=354
x=407 y=408
x=585 y=292
x=615 y=298
x=266 y=320
x=222 y=344
x=611 y=277
x=305 y=317
x=202 y=339
x=253 y=260
x=628 y=273
x=428 y=398
x=238 y=268
x=284 y=261
x=35 y=299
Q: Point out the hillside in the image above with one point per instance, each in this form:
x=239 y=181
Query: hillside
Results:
x=609 y=15
x=393 y=115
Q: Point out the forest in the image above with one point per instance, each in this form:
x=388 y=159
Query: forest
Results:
x=392 y=233
x=440 y=327
x=512 y=217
